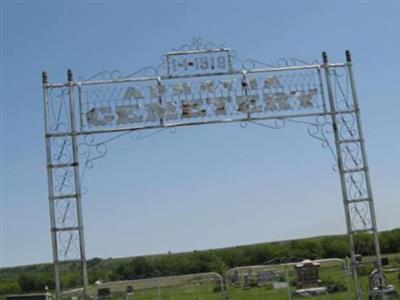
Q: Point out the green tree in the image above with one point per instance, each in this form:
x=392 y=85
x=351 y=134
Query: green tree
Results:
x=121 y=272
x=335 y=247
x=364 y=243
x=141 y=266
x=9 y=287
x=28 y=283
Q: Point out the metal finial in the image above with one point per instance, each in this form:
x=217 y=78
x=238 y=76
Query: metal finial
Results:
x=45 y=79
x=70 y=76
x=325 y=57
x=348 y=56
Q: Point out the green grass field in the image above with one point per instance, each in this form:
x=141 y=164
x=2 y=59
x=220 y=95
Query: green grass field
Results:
x=207 y=286
x=206 y=291
x=201 y=289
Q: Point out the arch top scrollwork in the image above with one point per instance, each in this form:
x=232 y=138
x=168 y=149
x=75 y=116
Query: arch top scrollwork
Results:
x=198 y=45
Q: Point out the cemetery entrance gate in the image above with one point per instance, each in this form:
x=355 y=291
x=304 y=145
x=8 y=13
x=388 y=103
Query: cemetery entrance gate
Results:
x=201 y=83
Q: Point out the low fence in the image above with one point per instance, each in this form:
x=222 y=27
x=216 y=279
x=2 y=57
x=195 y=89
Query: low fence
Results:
x=208 y=286
x=326 y=279
x=45 y=296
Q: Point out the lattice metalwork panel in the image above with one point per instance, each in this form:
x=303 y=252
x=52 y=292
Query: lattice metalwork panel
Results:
x=342 y=88
x=61 y=165
x=68 y=242
x=58 y=111
x=360 y=216
x=167 y=102
x=354 y=167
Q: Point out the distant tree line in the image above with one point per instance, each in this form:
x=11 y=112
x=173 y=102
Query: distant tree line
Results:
x=35 y=278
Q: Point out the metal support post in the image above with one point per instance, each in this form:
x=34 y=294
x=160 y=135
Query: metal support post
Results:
x=341 y=173
x=50 y=186
x=374 y=228
x=75 y=159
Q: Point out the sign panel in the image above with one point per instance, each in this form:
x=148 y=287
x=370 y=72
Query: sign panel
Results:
x=178 y=101
x=191 y=63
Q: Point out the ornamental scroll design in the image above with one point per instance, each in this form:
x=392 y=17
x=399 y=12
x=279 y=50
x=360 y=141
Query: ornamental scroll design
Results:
x=341 y=89
x=351 y=150
x=90 y=149
x=319 y=128
x=198 y=44
x=68 y=242
x=58 y=124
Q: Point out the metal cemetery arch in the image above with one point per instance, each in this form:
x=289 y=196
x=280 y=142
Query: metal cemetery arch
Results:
x=200 y=84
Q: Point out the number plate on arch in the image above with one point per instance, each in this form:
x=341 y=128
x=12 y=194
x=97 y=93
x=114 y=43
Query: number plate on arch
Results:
x=202 y=62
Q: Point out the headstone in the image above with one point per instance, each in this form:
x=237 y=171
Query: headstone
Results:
x=129 y=290
x=266 y=277
x=307 y=274
x=379 y=289
x=103 y=293
x=236 y=277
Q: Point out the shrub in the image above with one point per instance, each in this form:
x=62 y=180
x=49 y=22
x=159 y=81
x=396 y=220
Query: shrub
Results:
x=269 y=286
x=217 y=289
x=335 y=286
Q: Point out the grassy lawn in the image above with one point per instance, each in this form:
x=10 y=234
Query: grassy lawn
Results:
x=200 y=288
x=330 y=272
x=206 y=291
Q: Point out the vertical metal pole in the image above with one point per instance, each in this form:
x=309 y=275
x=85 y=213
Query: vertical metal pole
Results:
x=348 y=274
x=245 y=87
x=322 y=90
x=50 y=186
x=342 y=176
x=160 y=99
x=365 y=161
x=288 y=282
x=158 y=289
x=222 y=284
x=75 y=158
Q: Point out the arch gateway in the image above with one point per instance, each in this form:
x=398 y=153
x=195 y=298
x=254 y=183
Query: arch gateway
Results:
x=197 y=84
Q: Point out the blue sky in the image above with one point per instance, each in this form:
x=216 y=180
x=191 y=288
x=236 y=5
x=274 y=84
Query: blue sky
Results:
x=202 y=187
